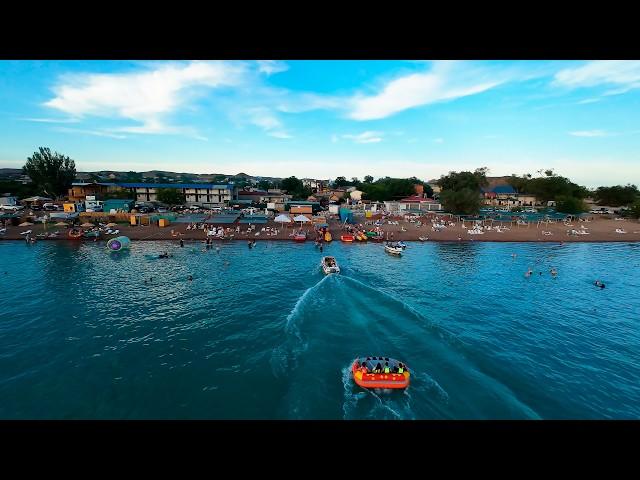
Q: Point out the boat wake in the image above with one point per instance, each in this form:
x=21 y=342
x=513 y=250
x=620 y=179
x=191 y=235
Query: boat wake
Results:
x=340 y=318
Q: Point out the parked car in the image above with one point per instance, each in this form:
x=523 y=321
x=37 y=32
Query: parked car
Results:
x=162 y=210
x=13 y=208
x=194 y=207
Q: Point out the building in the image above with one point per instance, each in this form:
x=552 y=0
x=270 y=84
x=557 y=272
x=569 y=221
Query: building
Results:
x=507 y=196
x=80 y=190
x=118 y=205
x=296 y=207
x=316 y=186
x=200 y=194
x=356 y=196
x=413 y=204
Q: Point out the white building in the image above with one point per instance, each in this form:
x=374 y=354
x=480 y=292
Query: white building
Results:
x=201 y=194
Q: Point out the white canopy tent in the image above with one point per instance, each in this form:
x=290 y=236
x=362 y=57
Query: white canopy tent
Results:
x=282 y=219
x=301 y=219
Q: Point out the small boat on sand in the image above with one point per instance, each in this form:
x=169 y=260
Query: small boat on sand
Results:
x=346 y=238
x=380 y=372
x=300 y=237
x=329 y=265
x=393 y=249
x=74 y=234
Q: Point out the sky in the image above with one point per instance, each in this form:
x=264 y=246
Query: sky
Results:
x=324 y=119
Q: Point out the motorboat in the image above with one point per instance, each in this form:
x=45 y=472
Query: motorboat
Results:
x=329 y=265
x=393 y=249
x=401 y=244
x=380 y=372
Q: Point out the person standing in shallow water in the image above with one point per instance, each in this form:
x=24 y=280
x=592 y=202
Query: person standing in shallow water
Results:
x=181 y=243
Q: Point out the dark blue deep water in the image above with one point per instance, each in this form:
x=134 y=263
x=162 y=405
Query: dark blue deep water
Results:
x=262 y=334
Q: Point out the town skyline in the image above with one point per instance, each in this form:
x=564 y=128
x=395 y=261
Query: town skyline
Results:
x=322 y=119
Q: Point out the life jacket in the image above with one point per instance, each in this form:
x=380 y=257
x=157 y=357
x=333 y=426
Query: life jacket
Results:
x=386 y=370
x=400 y=370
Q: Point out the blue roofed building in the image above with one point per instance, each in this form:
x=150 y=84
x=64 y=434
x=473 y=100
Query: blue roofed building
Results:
x=200 y=194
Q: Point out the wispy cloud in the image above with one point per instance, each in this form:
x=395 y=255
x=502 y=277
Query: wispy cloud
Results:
x=365 y=137
x=588 y=100
x=264 y=118
x=590 y=133
x=445 y=81
x=98 y=133
x=269 y=67
x=51 y=120
x=624 y=74
x=146 y=97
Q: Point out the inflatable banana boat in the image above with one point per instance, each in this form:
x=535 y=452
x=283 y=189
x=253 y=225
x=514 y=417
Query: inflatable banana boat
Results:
x=369 y=372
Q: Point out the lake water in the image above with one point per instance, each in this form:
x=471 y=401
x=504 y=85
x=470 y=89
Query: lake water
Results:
x=262 y=334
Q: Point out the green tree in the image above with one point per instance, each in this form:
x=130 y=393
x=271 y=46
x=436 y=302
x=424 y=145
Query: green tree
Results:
x=617 y=195
x=634 y=211
x=368 y=179
x=264 y=185
x=52 y=173
x=464 y=180
x=466 y=201
x=121 y=194
x=568 y=204
x=293 y=186
x=427 y=190
x=170 y=196
x=340 y=182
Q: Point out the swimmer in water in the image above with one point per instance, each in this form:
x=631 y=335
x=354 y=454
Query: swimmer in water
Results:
x=554 y=272
x=529 y=272
x=190 y=278
x=598 y=283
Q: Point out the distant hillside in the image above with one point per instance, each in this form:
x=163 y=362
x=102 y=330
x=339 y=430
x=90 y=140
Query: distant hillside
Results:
x=166 y=176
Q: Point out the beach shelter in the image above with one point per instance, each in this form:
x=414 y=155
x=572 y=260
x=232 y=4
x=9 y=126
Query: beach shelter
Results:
x=38 y=199
x=25 y=224
x=112 y=224
x=62 y=224
x=87 y=224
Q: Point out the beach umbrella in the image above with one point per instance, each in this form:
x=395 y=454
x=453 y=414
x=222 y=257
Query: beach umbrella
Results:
x=62 y=224
x=25 y=224
x=301 y=219
x=282 y=219
x=112 y=224
x=87 y=224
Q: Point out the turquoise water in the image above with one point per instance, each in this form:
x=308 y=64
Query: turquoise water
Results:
x=261 y=333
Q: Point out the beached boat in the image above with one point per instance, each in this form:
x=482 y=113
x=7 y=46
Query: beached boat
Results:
x=365 y=373
x=401 y=244
x=423 y=239
x=393 y=249
x=327 y=237
x=329 y=265
x=346 y=238
x=361 y=237
x=300 y=237
x=93 y=234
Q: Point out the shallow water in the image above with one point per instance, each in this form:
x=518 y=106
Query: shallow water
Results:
x=262 y=333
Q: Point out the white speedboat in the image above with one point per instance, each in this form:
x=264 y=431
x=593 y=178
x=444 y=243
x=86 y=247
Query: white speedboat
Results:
x=401 y=244
x=393 y=249
x=329 y=265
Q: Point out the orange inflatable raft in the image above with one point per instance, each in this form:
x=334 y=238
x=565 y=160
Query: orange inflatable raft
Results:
x=346 y=238
x=364 y=376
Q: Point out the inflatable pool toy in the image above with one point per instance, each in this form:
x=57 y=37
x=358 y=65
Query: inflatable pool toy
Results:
x=118 y=243
x=396 y=377
x=327 y=237
x=300 y=237
x=74 y=234
x=346 y=238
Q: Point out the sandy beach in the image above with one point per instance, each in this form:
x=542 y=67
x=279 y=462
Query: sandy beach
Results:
x=598 y=230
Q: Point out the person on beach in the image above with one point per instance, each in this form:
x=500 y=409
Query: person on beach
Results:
x=181 y=243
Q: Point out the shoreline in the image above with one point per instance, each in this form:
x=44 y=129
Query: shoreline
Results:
x=600 y=231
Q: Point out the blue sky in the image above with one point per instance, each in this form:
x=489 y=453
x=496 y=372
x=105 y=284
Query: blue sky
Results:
x=328 y=118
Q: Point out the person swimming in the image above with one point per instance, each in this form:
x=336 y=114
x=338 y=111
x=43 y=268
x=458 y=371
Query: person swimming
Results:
x=554 y=272
x=598 y=283
x=190 y=278
x=529 y=272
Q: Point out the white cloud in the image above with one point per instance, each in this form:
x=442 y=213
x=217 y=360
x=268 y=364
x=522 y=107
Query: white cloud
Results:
x=269 y=67
x=588 y=100
x=265 y=119
x=51 y=120
x=590 y=133
x=146 y=97
x=365 y=137
x=445 y=81
x=624 y=74
x=98 y=133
